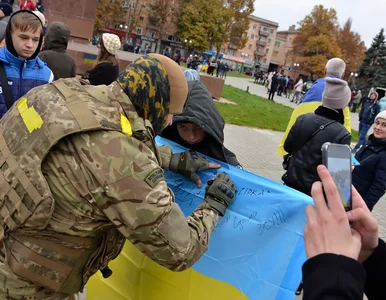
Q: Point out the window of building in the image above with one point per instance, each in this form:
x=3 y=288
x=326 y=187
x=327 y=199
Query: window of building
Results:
x=254 y=26
x=139 y=31
x=245 y=34
x=231 y=52
x=151 y=34
x=141 y=19
x=132 y=4
x=275 y=53
x=277 y=44
x=125 y=4
x=269 y=41
x=266 y=50
x=264 y=28
x=265 y=60
x=252 y=36
x=271 y=31
x=249 y=46
x=222 y=50
x=262 y=38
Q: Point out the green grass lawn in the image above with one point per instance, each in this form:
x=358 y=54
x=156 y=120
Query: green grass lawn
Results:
x=255 y=111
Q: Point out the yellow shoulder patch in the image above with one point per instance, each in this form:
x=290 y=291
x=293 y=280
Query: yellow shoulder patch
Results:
x=31 y=118
x=126 y=126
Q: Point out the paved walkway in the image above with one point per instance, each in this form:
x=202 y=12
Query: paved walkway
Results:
x=259 y=90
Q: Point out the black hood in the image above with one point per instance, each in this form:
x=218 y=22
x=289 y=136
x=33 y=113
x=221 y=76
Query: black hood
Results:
x=8 y=36
x=201 y=110
x=56 y=37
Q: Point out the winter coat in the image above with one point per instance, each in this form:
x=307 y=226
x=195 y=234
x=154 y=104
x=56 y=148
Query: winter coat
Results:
x=274 y=83
x=54 y=51
x=369 y=111
x=22 y=75
x=103 y=73
x=299 y=85
x=369 y=178
x=331 y=276
x=201 y=111
x=305 y=150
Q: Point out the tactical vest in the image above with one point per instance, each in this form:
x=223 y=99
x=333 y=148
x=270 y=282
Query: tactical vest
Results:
x=28 y=131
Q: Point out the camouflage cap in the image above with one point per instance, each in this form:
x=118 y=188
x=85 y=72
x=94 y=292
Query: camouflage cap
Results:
x=146 y=83
x=178 y=85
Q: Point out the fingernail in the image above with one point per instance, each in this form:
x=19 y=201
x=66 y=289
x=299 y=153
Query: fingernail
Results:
x=349 y=214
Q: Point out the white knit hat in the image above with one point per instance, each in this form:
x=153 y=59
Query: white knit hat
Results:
x=381 y=115
x=336 y=93
x=111 y=42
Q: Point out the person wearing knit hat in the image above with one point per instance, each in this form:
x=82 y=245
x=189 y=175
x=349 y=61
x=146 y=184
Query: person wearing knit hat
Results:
x=369 y=178
x=369 y=110
x=106 y=67
x=311 y=131
x=5 y=11
x=336 y=93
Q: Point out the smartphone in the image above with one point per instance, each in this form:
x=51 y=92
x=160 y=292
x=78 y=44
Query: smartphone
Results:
x=337 y=159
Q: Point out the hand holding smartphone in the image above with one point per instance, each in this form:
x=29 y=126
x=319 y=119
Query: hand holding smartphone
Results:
x=337 y=159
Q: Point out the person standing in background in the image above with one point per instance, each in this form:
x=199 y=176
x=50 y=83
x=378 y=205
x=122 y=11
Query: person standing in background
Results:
x=54 y=51
x=106 y=68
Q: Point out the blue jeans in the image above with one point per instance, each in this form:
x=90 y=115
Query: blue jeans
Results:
x=363 y=129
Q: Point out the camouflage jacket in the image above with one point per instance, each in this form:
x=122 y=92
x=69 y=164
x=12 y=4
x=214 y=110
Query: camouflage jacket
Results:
x=102 y=179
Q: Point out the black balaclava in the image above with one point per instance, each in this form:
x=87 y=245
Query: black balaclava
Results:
x=8 y=37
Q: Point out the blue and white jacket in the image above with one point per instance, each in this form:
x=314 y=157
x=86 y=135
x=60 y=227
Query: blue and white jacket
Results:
x=23 y=75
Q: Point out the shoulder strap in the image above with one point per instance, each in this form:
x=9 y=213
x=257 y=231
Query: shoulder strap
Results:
x=321 y=127
x=5 y=87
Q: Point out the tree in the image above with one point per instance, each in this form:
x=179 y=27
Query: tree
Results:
x=163 y=16
x=352 y=48
x=135 y=9
x=108 y=11
x=316 y=41
x=218 y=22
x=203 y=29
x=238 y=15
x=373 y=69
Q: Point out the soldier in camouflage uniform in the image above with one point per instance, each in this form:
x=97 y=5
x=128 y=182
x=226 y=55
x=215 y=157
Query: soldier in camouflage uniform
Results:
x=80 y=174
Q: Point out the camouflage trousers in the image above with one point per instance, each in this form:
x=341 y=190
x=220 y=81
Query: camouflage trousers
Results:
x=14 y=288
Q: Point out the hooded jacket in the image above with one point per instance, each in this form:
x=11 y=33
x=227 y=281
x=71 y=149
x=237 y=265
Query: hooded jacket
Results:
x=54 y=51
x=22 y=75
x=369 y=110
x=201 y=111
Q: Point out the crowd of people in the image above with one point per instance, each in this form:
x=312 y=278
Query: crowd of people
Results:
x=81 y=171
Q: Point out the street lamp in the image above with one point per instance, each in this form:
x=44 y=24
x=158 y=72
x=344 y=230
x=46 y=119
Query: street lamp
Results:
x=121 y=26
x=296 y=65
x=353 y=76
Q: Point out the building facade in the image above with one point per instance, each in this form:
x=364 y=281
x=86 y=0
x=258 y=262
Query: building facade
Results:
x=146 y=33
x=259 y=48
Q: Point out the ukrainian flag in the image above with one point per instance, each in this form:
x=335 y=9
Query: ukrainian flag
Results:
x=312 y=100
x=89 y=59
x=255 y=252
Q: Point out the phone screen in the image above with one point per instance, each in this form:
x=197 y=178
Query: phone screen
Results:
x=340 y=170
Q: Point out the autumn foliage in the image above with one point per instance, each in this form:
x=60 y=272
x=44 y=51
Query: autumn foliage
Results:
x=320 y=38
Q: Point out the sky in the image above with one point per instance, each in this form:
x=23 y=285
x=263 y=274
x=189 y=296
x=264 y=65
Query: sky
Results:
x=368 y=16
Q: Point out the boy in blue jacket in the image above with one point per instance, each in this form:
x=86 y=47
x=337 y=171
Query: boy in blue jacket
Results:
x=24 y=70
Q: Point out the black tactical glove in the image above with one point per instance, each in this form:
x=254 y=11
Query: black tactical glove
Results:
x=220 y=192
x=188 y=163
